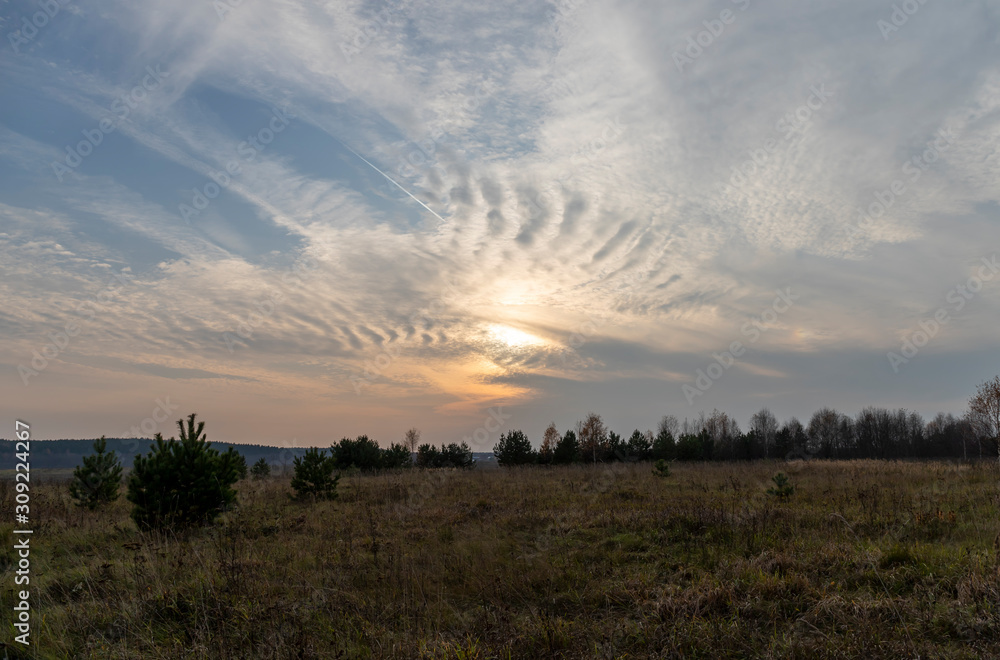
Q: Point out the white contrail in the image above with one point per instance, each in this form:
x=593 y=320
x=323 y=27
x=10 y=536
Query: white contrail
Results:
x=392 y=181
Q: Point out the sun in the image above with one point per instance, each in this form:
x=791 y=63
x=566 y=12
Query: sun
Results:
x=514 y=338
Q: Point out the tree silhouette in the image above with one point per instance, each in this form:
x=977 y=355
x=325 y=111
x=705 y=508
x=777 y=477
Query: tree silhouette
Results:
x=97 y=480
x=182 y=482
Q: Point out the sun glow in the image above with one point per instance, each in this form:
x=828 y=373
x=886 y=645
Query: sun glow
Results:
x=514 y=338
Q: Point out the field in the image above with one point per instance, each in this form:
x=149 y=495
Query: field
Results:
x=865 y=559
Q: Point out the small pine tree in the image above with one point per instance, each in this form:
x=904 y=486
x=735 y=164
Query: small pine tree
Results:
x=396 y=456
x=313 y=477
x=661 y=468
x=363 y=453
x=240 y=463
x=514 y=448
x=664 y=446
x=567 y=449
x=428 y=456
x=639 y=445
x=459 y=456
x=182 y=482
x=261 y=469
x=782 y=488
x=96 y=482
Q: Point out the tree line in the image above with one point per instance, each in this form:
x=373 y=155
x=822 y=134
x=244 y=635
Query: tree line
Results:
x=874 y=432
x=183 y=482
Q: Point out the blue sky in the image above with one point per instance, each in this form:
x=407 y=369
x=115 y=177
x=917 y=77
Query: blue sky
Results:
x=433 y=209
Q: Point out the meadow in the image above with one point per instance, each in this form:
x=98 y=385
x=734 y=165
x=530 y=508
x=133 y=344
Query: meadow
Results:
x=872 y=559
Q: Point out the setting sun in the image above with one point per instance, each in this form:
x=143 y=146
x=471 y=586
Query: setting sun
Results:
x=514 y=338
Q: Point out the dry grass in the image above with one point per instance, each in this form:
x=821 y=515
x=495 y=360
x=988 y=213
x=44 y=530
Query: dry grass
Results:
x=867 y=559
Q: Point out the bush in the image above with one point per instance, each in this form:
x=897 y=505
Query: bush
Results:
x=241 y=464
x=363 y=453
x=514 y=448
x=661 y=468
x=428 y=456
x=664 y=446
x=459 y=456
x=182 y=482
x=639 y=446
x=261 y=469
x=396 y=456
x=96 y=482
x=452 y=455
x=567 y=449
x=313 y=477
x=782 y=488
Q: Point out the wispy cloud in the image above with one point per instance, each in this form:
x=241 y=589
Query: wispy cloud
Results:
x=539 y=162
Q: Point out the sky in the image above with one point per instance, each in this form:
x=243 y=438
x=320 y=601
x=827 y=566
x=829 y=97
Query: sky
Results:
x=311 y=220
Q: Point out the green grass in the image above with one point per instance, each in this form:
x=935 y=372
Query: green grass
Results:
x=865 y=559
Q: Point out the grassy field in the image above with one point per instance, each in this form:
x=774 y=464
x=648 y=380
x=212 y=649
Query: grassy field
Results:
x=866 y=559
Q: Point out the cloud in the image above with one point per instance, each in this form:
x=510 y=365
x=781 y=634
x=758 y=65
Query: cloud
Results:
x=572 y=173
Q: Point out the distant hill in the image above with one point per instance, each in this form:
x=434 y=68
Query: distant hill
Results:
x=61 y=454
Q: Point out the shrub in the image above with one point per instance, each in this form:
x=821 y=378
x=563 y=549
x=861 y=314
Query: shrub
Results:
x=313 y=477
x=661 y=468
x=567 y=449
x=514 y=448
x=639 y=445
x=363 y=453
x=782 y=488
x=261 y=469
x=182 y=482
x=664 y=446
x=396 y=456
x=97 y=480
x=452 y=455
x=428 y=456
x=459 y=456
x=241 y=464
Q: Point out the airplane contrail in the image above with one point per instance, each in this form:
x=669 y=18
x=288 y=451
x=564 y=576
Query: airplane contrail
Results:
x=392 y=181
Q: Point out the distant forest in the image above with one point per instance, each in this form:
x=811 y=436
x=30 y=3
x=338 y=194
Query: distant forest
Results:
x=873 y=433
x=60 y=454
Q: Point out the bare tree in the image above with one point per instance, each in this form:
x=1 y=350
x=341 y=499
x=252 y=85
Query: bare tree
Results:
x=765 y=427
x=984 y=411
x=668 y=425
x=723 y=430
x=549 y=442
x=593 y=437
x=411 y=439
